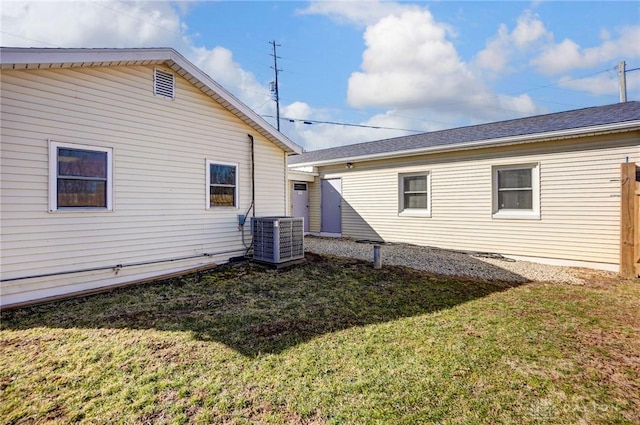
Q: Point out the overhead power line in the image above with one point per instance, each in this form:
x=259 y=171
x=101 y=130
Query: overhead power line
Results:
x=309 y=122
x=560 y=82
x=144 y=21
x=29 y=39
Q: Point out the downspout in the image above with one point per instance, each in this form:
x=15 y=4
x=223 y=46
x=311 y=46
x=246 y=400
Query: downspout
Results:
x=252 y=207
x=253 y=175
x=288 y=207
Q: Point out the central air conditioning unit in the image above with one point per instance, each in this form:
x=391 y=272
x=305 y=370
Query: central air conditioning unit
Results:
x=278 y=240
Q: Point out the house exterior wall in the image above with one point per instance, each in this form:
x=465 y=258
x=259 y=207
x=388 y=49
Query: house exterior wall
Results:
x=579 y=200
x=314 y=205
x=160 y=148
x=313 y=186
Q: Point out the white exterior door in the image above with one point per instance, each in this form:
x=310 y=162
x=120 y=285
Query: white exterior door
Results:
x=300 y=202
x=331 y=204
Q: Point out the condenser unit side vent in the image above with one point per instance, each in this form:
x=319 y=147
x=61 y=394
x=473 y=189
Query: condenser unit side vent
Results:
x=278 y=239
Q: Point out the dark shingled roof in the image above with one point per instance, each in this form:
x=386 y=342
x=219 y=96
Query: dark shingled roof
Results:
x=576 y=119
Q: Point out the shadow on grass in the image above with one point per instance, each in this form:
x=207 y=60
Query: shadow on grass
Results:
x=253 y=309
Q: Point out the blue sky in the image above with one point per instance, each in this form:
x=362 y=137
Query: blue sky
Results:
x=419 y=66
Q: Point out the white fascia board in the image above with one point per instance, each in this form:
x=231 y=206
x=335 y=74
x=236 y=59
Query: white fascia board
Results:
x=23 y=57
x=79 y=57
x=505 y=141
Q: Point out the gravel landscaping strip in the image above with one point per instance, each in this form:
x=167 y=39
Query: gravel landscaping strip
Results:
x=450 y=263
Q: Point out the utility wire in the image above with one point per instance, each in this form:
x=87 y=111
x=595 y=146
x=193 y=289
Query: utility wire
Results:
x=565 y=81
x=30 y=39
x=101 y=4
x=308 y=122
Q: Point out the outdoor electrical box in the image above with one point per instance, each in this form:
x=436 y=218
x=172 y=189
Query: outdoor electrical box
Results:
x=278 y=239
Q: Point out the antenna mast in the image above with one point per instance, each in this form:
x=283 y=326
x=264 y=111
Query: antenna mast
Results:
x=274 y=85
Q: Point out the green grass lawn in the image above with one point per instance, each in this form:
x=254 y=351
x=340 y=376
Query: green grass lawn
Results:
x=331 y=341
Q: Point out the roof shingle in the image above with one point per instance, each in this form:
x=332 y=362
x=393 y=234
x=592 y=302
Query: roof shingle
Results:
x=540 y=124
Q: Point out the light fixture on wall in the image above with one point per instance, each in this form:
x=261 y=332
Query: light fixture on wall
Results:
x=349 y=164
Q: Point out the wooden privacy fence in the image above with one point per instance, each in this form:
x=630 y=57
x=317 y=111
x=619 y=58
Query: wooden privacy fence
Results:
x=630 y=220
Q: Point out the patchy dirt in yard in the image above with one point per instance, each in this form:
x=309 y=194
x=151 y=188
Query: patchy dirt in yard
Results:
x=219 y=344
x=613 y=358
x=600 y=278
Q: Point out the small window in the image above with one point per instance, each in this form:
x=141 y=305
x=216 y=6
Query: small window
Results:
x=163 y=84
x=415 y=196
x=80 y=177
x=222 y=185
x=516 y=191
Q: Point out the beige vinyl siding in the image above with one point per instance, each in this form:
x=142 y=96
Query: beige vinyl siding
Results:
x=160 y=148
x=270 y=187
x=579 y=200
x=314 y=206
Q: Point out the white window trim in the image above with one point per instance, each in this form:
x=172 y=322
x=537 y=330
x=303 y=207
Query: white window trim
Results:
x=53 y=176
x=514 y=214
x=208 y=206
x=413 y=212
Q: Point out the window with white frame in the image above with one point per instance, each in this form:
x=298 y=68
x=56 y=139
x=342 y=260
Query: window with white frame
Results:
x=415 y=196
x=222 y=184
x=80 y=177
x=516 y=191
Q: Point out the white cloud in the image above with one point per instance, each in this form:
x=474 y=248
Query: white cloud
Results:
x=530 y=36
x=91 y=24
x=495 y=56
x=411 y=68
x=569 y=55
x=357 y=13
x=219 y=64
x=529 y=30
x=595 y=85
x=528 y=33
x=322 y=136
x=522 y=104
x=323 y=130
x=602 y=84
x=409 y=63
x=558 y=58
x=297 y=110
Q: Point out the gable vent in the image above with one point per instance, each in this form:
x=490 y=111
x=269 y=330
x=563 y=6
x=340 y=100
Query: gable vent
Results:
x=163 y=84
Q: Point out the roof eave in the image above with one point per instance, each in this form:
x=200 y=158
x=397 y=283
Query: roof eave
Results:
x=478 y=144
x=35 y=58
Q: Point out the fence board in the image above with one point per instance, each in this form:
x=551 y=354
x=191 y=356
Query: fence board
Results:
x=627 y=220
x=636 y=233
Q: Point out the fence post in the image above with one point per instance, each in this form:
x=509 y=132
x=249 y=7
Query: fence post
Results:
x=627 y=220
x=636 y=233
